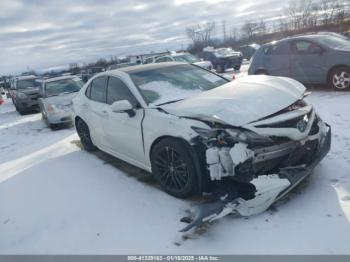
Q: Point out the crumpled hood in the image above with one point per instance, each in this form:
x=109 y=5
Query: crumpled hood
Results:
x=63 y=99
x=241 y=101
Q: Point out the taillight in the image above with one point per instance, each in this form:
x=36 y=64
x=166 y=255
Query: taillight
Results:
x=233 y=77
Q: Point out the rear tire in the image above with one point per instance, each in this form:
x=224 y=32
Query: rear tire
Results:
x=236 y=68
x=173 y=168
x=20 y=110
x=219 y=69
x=84 y=134
x=339 y=78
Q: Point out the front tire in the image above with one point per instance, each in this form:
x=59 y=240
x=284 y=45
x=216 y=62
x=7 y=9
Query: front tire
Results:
x=84 y=134
x=339 y=78
x=237 y=68
x=173 y=168
x=20 y=110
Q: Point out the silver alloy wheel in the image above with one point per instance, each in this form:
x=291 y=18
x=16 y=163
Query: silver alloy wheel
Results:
x=341 y=80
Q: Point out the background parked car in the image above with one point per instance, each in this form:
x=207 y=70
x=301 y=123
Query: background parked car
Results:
x=185 y=57
x=249 y=50
x=24 y=93
x=310 y=59
x=87 y=74
x=222 y=58
x=120 y=65
x=55 y=100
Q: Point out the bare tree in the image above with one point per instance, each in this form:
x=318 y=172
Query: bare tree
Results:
x=234 y=34
x=262 y=29
x=250 y=29
x=339 y=14
x=74 y=68
x=223 y=24
x=328 y=11
x=201 y=33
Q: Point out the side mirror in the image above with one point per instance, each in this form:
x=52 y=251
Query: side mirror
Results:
x=123 y=106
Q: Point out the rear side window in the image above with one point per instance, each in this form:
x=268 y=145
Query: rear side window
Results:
x=277 y=49
x=305 y=47
x=117 y=91
x=98 y=91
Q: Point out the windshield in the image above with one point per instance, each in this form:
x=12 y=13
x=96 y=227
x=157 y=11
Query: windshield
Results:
x=334 y=42
x=186 y=58
x=63 y=86
x=27 y=83
x=223 y=52
x=174 y=83
x=95 y=70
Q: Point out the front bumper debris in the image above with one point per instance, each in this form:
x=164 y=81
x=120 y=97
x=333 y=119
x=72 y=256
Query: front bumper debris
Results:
x=269 y=188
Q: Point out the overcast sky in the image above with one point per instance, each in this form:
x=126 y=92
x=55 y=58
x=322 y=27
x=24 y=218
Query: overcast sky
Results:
x=42 y=33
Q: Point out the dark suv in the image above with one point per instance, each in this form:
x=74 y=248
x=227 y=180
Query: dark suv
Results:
x=222 y=59
x=24 y=92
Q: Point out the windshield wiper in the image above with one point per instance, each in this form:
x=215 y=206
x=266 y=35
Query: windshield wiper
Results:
x=171 y=101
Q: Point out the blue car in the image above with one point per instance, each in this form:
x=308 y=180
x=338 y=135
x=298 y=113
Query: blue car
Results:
x=310 y=59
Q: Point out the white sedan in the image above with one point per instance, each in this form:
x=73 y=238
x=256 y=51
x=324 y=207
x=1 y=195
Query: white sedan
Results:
x=250 y=140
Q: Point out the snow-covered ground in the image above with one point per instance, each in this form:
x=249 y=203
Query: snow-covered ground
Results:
x=58 y=199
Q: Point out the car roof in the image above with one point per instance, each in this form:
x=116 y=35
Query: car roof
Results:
x=26 y=77
x=302 y=37
x=59 y=78
x=180 y=54
x=146 y=67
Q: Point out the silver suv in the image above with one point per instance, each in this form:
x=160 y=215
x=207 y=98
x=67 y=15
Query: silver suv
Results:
x=24 y=93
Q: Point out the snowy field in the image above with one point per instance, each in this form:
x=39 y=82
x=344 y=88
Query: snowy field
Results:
x=58 y=199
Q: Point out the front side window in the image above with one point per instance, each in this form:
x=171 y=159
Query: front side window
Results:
x=27 y=83
x=117 y=91
x=305 y=47
x=163 y=59
x=63 y=86
x=172 y=83
x=98 y=89
x=186 y=58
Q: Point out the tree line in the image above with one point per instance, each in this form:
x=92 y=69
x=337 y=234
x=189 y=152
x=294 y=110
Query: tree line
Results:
x=299 y=16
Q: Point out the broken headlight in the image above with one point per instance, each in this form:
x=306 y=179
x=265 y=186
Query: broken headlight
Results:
x=231 y=136
x=248 y=137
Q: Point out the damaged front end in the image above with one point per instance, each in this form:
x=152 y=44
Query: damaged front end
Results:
x=253 y=166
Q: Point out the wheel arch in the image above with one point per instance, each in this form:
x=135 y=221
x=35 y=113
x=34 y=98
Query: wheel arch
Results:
x=332 y=69
x=76 y=118
x=196 y=158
